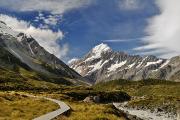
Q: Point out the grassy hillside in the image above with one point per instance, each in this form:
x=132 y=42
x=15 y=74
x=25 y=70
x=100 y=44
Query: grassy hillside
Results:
x=143 y=87
x=23 y=79
x=150 y=94
x=14 y=74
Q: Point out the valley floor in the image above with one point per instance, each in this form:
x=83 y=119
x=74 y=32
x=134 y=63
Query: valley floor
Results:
x=24 y=106
x=145 y=99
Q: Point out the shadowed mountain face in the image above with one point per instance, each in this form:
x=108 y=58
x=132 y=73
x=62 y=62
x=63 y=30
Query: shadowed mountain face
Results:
x=103 y=64
x=20 y=50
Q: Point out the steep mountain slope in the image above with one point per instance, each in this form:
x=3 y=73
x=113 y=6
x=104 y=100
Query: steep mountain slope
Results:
x=103 y=64
x=21 y=51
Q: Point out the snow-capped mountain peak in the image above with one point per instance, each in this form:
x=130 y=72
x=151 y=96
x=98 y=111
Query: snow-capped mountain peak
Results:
x=101 y=48
x=97 y=52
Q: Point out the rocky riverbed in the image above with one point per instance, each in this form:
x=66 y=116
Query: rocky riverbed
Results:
x=145 y=114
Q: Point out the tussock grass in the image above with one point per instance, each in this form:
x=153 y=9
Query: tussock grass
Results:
x=14 y=106
x=92 y=111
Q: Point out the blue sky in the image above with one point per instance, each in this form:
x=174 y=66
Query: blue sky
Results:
x=77 y=26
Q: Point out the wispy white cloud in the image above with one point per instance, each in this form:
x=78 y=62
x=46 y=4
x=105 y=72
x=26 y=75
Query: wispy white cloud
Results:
x=45 y=37
x=164 y=30
x=121 y=40
x=53 y=6
x=52 y=19
x=114 y=41
x=49 y=20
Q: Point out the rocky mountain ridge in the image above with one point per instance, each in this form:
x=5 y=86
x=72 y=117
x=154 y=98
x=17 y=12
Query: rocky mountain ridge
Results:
x=104 y=64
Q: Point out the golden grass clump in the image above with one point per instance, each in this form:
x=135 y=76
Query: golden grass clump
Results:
x=20 y=107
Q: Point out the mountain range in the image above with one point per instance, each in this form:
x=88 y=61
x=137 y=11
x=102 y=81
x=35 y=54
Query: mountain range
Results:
x=104 y=64
x=21 y=51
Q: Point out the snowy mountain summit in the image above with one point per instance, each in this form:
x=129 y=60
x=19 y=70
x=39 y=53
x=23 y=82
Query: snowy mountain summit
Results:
x=101 y=48
x=103 y=64
x=97 y=51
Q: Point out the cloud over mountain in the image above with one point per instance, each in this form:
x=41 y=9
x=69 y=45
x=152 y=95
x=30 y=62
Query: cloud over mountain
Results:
x=43 y=33
x=45 y=37
x=164 y=30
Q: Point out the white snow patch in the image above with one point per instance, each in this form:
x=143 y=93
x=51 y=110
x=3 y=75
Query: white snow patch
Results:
x=155 y=70
x=116 y=66
x=131 y=65
x=19 y=38
x=79 y=69
x=97 y=66
x=29 y=45
x=111 y=58
x=72 y=61
x=153 y=63
x=104 y=62
x=142 y=62
x=164 y=64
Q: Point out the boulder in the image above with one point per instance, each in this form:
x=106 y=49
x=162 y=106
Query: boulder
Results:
x=90 y=99
x=96 y=99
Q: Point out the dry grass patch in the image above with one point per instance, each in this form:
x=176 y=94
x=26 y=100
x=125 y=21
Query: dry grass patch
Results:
x=91 y=111
x=20 y=107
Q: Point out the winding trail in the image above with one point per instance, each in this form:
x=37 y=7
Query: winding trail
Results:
x=49 y=116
